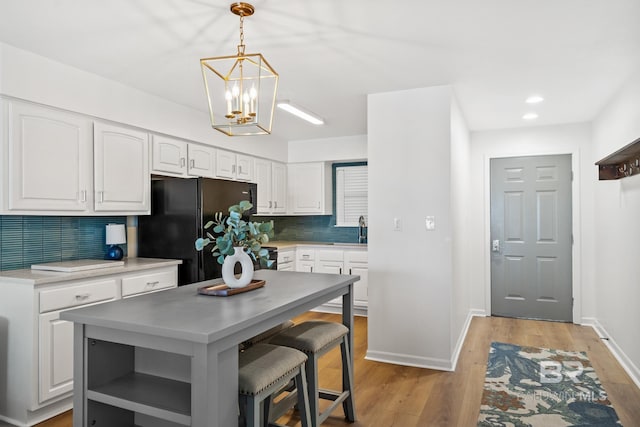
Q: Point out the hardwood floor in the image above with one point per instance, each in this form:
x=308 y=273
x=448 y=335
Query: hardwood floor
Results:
x=392 y=395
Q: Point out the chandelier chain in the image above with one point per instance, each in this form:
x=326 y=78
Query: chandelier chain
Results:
x=241 y=30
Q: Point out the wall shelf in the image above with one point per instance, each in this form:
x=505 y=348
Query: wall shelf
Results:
x=624 y=162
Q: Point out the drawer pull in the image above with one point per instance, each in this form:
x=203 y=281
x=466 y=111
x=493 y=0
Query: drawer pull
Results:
x=305 y=256
x=152 y=284
x=82 y=297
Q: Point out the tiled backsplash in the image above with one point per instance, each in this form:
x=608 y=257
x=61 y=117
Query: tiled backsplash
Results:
x=315 y=228
x=26 y=240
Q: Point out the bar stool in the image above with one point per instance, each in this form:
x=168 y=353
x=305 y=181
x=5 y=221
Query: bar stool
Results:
x=266 y=335
x=315 y=338
x=264 y=369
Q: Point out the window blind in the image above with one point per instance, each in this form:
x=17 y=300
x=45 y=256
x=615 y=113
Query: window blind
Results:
x=352 y=190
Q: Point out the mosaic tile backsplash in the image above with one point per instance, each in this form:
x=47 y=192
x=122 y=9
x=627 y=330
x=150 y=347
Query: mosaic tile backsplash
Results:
x=314 y=228
x=27 y=240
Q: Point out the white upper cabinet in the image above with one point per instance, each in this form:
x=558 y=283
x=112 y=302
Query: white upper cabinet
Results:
x=169 y=156
x=202 y=161
x=271 y=178
x=121 y=169
x=234 y=166
x=49 y=159
x=176 y=157
x=309 y=187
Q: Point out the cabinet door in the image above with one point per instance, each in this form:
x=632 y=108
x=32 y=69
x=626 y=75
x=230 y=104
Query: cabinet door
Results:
x=360 y=288
x=244 y=171
x=121 y=169
x=279 y=187
x=306 y=266
x=49 y=159
x=310 y=188
x=225 y=164
x=202 y=161
x=264 y=202
x=331 y=267
x=169 y=156
x=55 y=356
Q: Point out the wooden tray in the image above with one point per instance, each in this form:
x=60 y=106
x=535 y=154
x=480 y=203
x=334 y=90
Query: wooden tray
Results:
x=222 y=290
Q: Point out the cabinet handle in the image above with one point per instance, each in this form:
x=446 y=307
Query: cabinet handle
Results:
x=310 y=269
x=183 y=161
x=83 y=196
x=305 y=256
x=349 y=272
x=233 y=169
x=82 y=297
x=192 y=163
x=340 y=270
x=318 y=205
x=275 y=204
x=100 y=196
x=269 y=204
x=240 y=169
x=153 y=284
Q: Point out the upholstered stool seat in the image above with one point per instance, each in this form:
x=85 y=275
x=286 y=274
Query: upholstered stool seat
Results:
x=264 y=369
x=315 y=338
x=266 y=335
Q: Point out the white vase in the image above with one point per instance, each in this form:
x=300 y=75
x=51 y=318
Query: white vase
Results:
x=228 y=267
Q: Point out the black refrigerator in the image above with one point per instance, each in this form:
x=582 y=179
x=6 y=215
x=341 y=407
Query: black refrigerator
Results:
x=179 y=209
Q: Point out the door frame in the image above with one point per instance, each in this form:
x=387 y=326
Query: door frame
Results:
x=576 y=261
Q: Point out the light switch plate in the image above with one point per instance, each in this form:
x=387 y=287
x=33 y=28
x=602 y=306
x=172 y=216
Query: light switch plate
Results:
x=430 y=223
x=397 y=224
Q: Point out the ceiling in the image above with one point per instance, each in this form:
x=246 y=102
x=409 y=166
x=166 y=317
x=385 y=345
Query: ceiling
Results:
x=331 y=53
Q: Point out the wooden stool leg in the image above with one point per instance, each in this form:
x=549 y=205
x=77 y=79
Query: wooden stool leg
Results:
x=303 y=398
x=311 y=369
x=347 y=380
x=253 y=411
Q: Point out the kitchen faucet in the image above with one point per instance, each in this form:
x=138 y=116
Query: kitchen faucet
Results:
x=362 y=237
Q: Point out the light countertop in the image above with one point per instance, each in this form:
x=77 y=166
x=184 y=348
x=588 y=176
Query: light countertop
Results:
x=42 y=277
x=290 y=244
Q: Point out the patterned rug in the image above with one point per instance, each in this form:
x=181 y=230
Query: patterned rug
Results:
x=539 y=387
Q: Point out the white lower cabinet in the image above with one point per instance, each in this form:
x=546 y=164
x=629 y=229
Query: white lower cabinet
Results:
x=286 y=260
x=42 y=361
x=55 y=356
x=327 y=259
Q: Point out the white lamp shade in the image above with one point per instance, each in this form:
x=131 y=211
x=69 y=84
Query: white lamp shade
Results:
x=115 y=234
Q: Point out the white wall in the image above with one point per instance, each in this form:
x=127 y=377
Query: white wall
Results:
x=617 y=226
x=35 y=78
x=460 y=213
x=410 y=271
x=347 y=148
x=574 y=139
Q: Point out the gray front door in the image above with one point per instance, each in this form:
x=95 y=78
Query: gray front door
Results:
x=531 y=237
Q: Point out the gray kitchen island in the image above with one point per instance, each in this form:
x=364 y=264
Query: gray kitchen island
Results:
x=171 y=358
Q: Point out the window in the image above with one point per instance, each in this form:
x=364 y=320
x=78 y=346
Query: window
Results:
x=351 y=194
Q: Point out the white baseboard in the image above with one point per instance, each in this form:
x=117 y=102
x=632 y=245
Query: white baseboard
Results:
x=337 y=309
x=409 y=360
x=627 y=364
x=458 y=348
x=428 y=362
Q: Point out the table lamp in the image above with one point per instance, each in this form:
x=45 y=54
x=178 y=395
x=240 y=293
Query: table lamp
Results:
x=114 y=236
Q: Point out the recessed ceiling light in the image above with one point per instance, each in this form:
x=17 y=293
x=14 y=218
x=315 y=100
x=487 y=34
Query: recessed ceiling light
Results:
x=530 y=116
x=299 y=112
x=534 y=99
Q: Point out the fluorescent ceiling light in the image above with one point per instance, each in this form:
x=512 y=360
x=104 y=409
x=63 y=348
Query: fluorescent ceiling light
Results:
x=299 y=112
x=534 y=99
x=530 y=116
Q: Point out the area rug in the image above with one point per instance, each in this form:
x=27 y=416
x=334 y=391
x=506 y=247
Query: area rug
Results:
x=539 y=387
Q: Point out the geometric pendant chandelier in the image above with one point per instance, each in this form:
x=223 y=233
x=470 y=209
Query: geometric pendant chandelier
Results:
x=241 y=89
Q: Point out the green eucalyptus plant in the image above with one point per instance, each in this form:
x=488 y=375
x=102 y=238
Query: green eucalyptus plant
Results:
x=233 y=232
